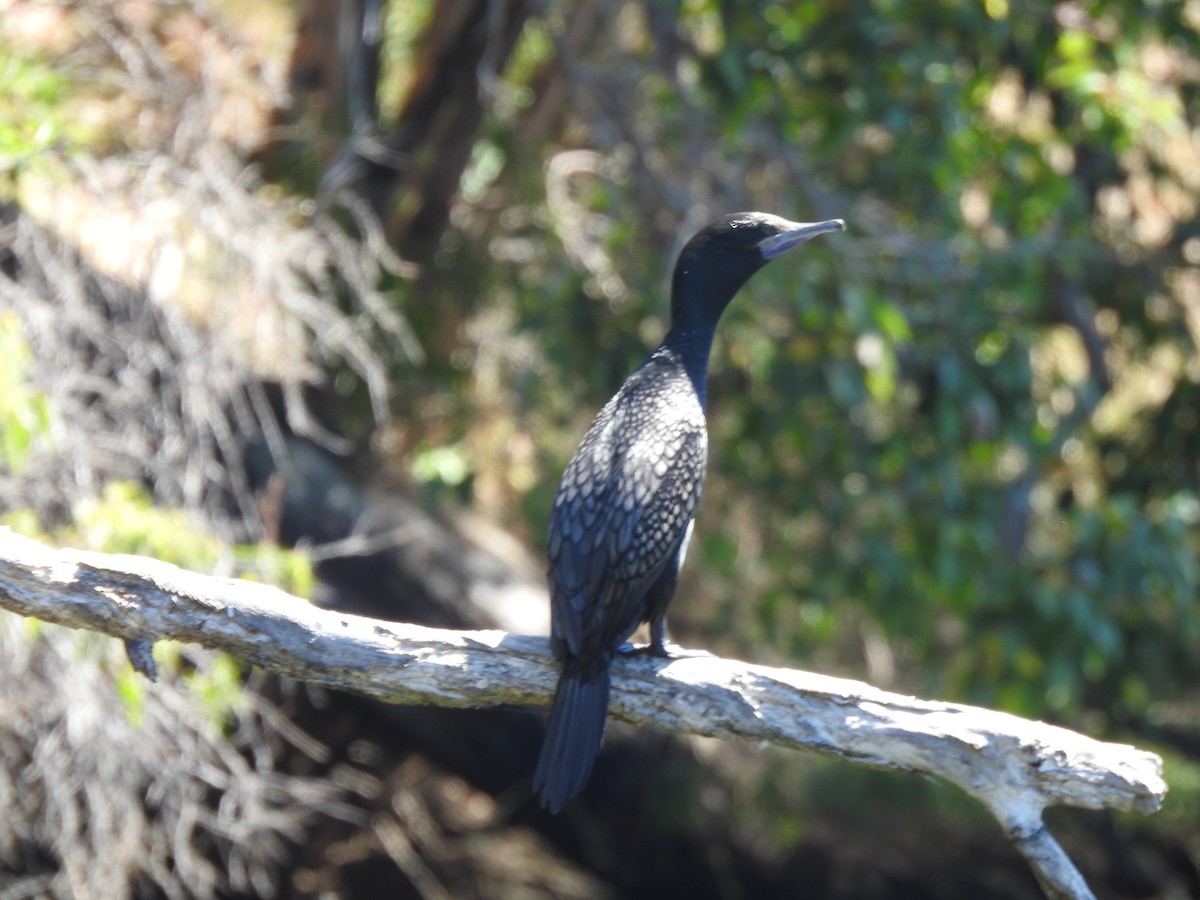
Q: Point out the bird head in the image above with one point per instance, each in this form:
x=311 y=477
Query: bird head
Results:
x=723 y=255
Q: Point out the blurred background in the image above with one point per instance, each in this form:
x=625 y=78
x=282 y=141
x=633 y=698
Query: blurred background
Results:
x=326 y=294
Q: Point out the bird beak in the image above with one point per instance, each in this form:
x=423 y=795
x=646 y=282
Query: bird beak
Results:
x=796 y=233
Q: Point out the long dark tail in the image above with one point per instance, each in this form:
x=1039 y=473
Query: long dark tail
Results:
x=573 y=737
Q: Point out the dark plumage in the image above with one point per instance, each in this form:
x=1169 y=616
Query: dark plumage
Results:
x=623 y=514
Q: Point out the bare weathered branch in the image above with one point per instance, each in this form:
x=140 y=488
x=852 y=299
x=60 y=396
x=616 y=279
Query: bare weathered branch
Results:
x=1013 y=766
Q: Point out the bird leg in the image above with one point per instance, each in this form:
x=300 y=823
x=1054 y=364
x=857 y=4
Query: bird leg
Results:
x=658 y=636
x=658 y=642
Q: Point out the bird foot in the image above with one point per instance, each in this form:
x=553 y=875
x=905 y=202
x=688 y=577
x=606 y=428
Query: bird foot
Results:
x=674 y=651
x=660 y=651
x=651 y=649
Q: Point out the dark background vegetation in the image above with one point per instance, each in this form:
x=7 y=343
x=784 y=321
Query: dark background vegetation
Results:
x=356 y=276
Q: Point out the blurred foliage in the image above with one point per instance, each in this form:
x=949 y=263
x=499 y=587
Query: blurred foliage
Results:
x=24 y=413
x=123 y=519
x=953 y=449
x=31 y=116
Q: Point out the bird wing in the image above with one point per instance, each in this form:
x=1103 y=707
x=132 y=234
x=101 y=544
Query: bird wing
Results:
x=623 y=507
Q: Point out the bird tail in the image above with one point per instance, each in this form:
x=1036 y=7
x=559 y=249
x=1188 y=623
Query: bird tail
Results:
x=573 y=736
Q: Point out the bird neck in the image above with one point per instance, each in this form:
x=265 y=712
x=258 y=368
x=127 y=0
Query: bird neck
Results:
x=692 y=344
x=701 y=288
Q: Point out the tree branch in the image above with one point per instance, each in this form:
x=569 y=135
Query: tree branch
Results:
x=1013 y=766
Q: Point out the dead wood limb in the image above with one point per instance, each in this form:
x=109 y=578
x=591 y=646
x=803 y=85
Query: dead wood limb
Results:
x=1014 y=766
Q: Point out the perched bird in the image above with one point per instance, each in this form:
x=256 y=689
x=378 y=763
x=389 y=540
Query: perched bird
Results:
x=623 y=514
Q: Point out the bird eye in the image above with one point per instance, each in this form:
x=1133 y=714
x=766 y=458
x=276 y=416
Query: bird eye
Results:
x=765 y=228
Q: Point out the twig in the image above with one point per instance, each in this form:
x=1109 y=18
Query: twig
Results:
x=1013 y=766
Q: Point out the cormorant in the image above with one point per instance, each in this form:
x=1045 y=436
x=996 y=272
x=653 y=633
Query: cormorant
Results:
x=623 y=514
